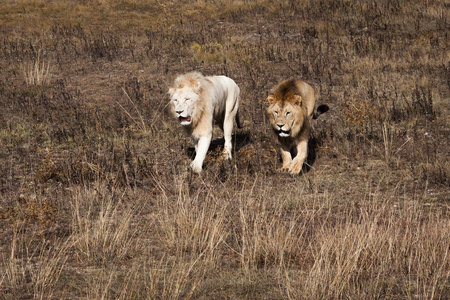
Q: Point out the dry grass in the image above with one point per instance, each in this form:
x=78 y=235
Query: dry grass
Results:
x=36 y=73
x=96 y=197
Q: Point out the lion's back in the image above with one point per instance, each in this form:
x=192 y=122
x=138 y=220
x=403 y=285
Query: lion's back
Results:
x=226 y=93
x=308 y=97
x=224 y=84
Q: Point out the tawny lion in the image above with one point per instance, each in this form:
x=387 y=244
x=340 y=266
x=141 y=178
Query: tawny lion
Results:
x=291 y=108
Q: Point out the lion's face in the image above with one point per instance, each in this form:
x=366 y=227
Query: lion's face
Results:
x=285 y=118
x=183 y=102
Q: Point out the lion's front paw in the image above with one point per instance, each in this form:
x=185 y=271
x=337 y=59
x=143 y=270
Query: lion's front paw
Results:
x=295 y=168
x=226 y=155
x=196 y=167
x=284 y=168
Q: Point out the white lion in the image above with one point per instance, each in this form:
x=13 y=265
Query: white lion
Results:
x=197 y=101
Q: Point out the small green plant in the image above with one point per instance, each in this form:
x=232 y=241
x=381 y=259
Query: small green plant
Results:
x=210 y=52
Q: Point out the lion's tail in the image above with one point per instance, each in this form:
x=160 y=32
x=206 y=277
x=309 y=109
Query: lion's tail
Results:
x=238 y=121
x=320 y=110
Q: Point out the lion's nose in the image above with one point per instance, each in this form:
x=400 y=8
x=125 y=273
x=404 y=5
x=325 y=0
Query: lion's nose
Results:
x=280 y=125
x=179 y=112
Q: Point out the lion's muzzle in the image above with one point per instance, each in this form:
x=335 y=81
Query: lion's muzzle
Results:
x=185 y=120
x=281 y=132
x=284 y=133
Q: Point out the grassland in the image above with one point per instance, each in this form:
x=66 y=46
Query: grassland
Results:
x=96 y=197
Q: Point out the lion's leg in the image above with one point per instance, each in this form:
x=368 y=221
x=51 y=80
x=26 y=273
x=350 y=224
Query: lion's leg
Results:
x=286 y=158
x=231 y=109
x=297 y=162
x=195 y=141
x=227 y=133
x=201 y=147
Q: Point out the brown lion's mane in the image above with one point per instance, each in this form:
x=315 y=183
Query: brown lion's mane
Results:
x=285 y=92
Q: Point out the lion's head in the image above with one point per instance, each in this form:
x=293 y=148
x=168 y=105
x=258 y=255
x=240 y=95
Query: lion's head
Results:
x=285 y=115
x=184 y=96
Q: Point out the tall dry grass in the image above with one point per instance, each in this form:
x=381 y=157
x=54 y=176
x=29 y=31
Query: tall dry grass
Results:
x=362 y=256
x=36 y=72
x=100 y=225
x=314 y=248
x=32 y=267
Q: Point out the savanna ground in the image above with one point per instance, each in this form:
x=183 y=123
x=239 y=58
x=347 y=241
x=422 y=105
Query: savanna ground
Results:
x=96 y=197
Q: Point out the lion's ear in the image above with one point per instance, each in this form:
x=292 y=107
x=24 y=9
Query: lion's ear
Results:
x=297 y=100
x=196 y=86
x=271 y=99
x=171 y=91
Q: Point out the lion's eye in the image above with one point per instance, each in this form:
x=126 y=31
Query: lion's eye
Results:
x=188 y=99
x=287 y=113
x=276 y=112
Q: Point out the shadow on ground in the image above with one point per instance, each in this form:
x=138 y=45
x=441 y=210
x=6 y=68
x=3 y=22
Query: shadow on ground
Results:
x=239 y=140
